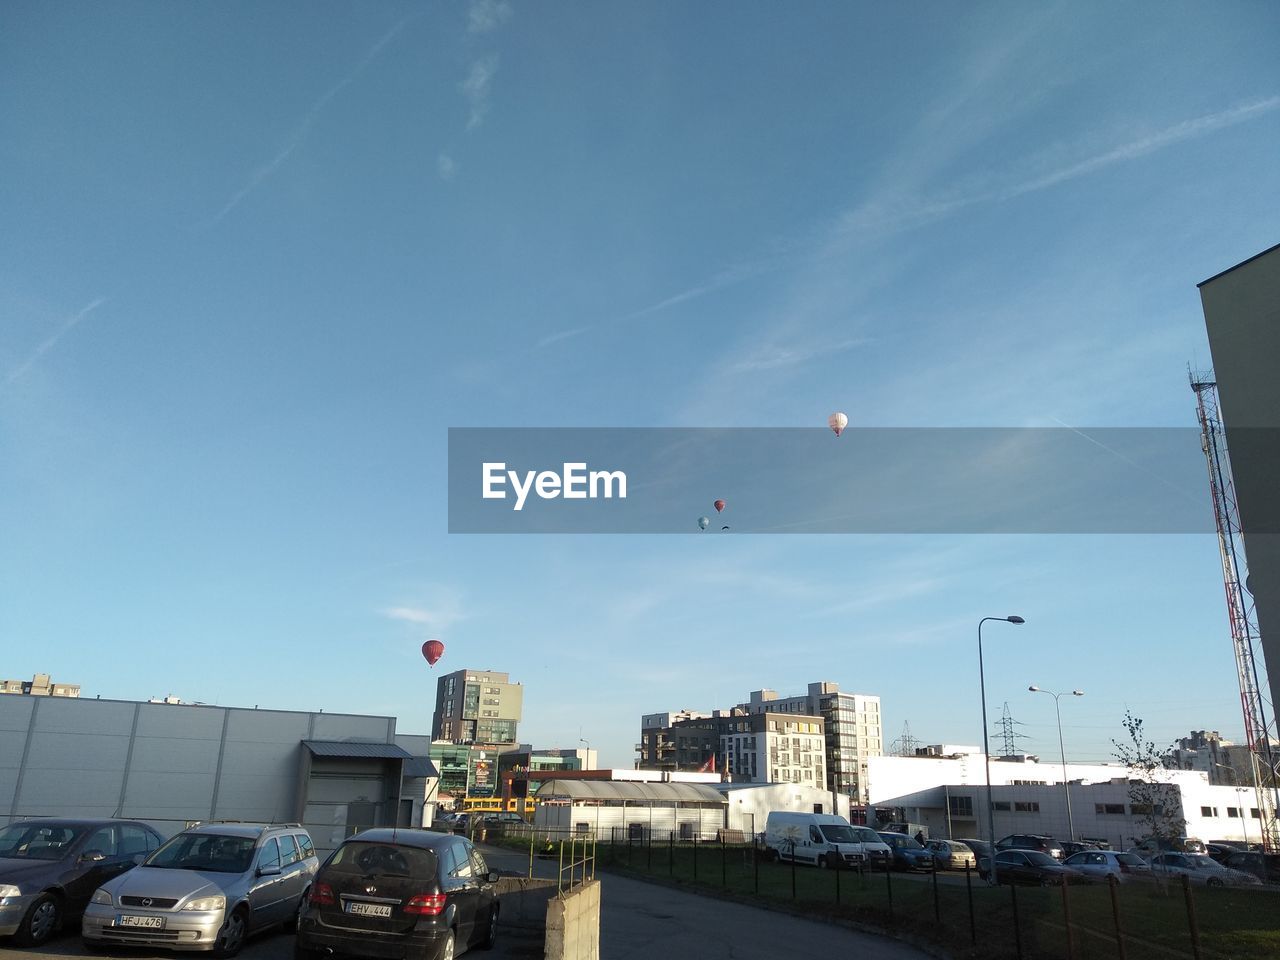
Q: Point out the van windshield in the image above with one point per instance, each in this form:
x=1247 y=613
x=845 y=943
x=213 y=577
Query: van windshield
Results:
x=866 y=835
x=838 y=833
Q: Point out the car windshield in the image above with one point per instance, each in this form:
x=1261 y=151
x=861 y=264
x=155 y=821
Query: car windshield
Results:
x=899 y=842
x=204 y=851
x=1202 y=861
x=1130 y=860
x=384 y=860
x=838 y=833
x=35 y=841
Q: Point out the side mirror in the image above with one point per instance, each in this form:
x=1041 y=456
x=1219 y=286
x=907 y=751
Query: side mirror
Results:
x=92 y=856
x=492 y=876
x=272 y=871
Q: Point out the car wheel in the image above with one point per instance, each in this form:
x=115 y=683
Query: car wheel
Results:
x=1215 y=881
x=774 y=856
x=41 y=922
x=232 y=935
x=491 y=930
x=824 y=863
x=446 y=950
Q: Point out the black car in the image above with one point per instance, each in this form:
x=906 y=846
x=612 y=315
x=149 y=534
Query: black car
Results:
x=1264 y=866
x=1030 y=841
x=1029 y=866
x=50 y=868
x=400 y=893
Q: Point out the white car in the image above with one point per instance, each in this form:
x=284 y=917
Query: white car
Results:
x=1201 y=868
x=1104 y=864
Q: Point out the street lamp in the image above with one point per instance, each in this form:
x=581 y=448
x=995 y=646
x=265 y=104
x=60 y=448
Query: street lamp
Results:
x=986 y=749
x=1066 y=789
x=587 y=762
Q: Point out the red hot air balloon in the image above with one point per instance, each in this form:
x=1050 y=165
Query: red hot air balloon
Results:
x=433 y=650
x=719 y=505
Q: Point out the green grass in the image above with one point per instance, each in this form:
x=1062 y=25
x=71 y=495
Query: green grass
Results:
x=1241 y=924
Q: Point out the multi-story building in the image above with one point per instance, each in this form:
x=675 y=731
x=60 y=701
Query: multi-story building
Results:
x=477 y=706
x=851 y=726
x=749 y=747
x=40 y=686
x=656 y=746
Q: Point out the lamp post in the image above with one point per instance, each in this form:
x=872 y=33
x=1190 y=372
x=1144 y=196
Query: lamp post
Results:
x=1066 y=787
x=986 y=749
x=586 y=763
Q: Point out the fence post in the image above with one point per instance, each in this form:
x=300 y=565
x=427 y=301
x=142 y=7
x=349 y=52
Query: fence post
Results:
x=1114 y=884
x=888 y=883
x=1191 y=916
x=937 y=910
x=973 y=926
x=648 y=864
x=793 y=870
x=839 y=867
x=1017 y=926
x=757 y=853
x=671 y=852
x=1066 y=918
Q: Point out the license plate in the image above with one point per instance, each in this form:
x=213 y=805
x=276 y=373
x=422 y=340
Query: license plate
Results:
x=153 y=922
x=369 y=909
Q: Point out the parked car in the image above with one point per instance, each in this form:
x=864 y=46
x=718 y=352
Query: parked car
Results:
x=821 y=839
x=1264 y=866
x=208 y=888
x=1150 y=846
x=50 y=868
x=908 y=853
x=951 y=854
x=400 y=893
x=1220 y=850
x=1029 y=866
x=1030 y=841
x=1201 y=868
x=502 y=819
x=1072 y=847
x=980 y=848
x=1104 y=864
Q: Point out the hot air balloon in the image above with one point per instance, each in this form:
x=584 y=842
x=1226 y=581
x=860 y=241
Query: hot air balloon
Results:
x=724 y=528
x=433 y=650
x=719 y=505
x=704 y=522
x=837 y=422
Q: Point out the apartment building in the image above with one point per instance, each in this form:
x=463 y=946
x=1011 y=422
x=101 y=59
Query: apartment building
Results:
x=477 y=706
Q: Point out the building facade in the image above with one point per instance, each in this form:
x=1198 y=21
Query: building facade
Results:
x=477 y=706
x=40 y=686
x=656 y=747
x=851 y=726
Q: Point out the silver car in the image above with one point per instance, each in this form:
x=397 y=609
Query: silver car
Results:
x=951 y=854
x=208 y=888
x=1105 y=864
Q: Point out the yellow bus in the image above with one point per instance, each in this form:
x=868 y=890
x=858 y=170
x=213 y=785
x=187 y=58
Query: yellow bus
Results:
x=483 y=805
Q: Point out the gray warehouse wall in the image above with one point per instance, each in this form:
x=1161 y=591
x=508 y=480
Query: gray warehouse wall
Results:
x=1242 y=315
x=163 y=763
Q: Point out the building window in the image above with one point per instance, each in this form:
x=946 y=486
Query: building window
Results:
x=1208 y=811
x=1233 y=812
x=1000 y=805
x=1256 y=815
x=961 y=806
x=1026 y=806
x=1109 y=809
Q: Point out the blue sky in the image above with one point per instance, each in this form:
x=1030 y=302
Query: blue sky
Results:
x=257 y=259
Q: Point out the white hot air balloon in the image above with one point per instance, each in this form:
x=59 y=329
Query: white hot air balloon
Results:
x=837 y=422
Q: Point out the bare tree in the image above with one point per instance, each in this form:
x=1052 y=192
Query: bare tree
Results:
x=1153 y=801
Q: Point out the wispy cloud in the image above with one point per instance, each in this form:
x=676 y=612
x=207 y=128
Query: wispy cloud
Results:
x=435 y=618
x=904 y=212
x=477 y=87
x=486 y=15
x=67 y=326
x=774 y=356
x=308 y=120
x=446 y=166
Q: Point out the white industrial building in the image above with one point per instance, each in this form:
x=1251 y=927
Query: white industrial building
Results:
x=947 y=795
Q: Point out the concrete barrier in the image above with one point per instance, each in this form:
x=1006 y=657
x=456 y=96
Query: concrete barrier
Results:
x=573 y=924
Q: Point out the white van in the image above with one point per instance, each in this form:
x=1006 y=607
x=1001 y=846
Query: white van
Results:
x=822 y=839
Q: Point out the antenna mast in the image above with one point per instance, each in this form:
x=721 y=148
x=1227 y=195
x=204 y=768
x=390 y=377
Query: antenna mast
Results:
x=1258 y=731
